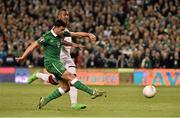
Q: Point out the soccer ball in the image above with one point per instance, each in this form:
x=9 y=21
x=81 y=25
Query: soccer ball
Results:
x=149 y=91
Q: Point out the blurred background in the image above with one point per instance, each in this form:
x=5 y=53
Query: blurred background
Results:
x=130 y=33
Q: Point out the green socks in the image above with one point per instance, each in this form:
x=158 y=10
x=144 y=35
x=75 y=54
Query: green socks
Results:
x=76 y=83
x=58 y=92
x=55 y=94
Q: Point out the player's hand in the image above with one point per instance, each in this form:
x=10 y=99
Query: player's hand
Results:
x=19 y=59
x=92 y=37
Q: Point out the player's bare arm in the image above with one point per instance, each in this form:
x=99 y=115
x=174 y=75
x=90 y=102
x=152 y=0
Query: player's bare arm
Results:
x=91 y=36
x=66 y=43
x=28 y=51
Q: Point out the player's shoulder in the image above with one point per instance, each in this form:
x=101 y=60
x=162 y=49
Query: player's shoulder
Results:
x=47 y=34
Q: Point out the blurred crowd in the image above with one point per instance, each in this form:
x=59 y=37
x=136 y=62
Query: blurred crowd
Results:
x=130 y=33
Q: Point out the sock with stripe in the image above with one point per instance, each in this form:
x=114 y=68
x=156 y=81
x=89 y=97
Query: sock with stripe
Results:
x=76 y=83
x=55 y=94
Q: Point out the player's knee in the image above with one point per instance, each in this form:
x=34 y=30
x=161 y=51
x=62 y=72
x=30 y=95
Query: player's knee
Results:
x=68 y=76
x=71 y=76
x=66 y=89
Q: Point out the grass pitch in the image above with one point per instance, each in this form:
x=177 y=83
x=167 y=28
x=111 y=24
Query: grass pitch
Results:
x=124 y=100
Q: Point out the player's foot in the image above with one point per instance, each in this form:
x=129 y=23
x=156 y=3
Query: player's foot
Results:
x=78 y=106
x=98 y=94
x=42 y=103
x=32 y=78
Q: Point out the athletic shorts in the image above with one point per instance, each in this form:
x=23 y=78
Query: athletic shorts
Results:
x=69 y=64
x=55 y=67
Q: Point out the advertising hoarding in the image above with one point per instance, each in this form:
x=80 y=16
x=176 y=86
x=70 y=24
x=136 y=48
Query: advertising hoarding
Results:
x=7 y=74
x=21 y=75
x=158 y=77
x=99 y=76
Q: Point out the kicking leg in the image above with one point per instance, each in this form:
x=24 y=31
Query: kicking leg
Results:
x=64 y=87
x=72 y=93
x=76 y=83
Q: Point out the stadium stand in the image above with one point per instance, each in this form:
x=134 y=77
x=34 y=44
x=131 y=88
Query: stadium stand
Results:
x=130 y=33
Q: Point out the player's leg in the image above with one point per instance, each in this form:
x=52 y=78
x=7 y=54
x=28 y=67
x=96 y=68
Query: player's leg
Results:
x=44 y=75
x=57 y=68
x=73 y=99
x=32 y=77
x=73 y=93
x=76 y=83
x=60 y=72
x=63 y=88
x=39 y=75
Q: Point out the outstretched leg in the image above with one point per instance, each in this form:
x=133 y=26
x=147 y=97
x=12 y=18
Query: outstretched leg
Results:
x=76 y=83
x=64 y=87
x=49 y=78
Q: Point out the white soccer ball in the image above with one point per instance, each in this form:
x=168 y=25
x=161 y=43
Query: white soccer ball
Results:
x=149 y=91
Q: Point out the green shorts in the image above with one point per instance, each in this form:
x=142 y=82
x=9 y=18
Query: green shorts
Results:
x=55 y=67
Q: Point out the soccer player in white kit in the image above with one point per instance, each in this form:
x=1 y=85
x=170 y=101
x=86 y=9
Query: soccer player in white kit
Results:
x=65 y=57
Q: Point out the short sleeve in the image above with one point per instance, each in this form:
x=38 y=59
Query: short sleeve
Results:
x=41 y=40
x=67 y=34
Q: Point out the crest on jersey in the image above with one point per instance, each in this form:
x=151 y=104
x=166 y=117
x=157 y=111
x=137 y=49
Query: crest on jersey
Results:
x=58 y=44
x=41 y=40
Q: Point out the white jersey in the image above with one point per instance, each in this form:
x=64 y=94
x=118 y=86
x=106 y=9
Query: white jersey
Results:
x=66 y=50
x=65 y=55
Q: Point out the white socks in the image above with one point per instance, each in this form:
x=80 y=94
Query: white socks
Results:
x=73 y=95
x=44 y=77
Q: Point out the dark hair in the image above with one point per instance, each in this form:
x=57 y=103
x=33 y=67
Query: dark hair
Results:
x=59 y=23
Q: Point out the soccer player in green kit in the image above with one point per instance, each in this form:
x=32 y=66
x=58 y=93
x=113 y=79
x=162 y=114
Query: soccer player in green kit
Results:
x=68 y=62
x=51 y=41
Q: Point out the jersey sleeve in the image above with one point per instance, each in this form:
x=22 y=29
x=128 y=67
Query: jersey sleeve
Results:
x=42 y=40
x=67 y=34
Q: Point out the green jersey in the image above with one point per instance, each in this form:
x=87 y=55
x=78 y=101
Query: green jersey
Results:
x=52 y=45
x=52 y=48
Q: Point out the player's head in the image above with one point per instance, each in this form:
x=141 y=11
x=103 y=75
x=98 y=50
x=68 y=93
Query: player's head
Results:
x=63 y=14
x=59 y=27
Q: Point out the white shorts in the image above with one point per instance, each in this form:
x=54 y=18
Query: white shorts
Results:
x=69 y=64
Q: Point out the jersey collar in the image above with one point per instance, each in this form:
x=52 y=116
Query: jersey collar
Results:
x=54 y=34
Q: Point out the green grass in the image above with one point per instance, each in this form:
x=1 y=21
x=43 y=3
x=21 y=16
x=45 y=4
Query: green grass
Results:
x=125 y=100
